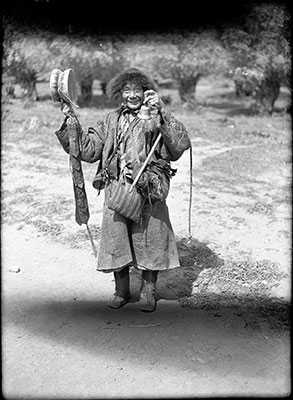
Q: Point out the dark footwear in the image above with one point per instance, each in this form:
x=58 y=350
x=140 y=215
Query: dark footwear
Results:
x=147 y=301
x=118 y=301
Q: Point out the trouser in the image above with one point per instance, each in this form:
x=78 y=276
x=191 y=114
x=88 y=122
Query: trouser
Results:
x=148 y=281
x=122 y=282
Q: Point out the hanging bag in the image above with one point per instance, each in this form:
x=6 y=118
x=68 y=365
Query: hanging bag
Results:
x=154 y=182
x=120 y=199
x=117 y=195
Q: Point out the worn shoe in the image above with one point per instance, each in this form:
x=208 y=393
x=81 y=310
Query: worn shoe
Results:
x=118 y=301
x=147 y=301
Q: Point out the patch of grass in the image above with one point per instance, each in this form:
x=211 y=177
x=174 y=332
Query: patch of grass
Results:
x=197 y=254
x=251 y=160
x=261 y=208
x=77 y=239
x=253 y=309
x=25 y=194
x=10 y=215
x=242 y=286
x=49 y=209
x=52 y=229
x=33 y=167
x=242 y=277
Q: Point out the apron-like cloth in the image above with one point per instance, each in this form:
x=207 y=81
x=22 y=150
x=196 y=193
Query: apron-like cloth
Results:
x=150 y=245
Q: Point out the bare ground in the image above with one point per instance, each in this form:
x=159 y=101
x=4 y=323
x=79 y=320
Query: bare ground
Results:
x=222 y=324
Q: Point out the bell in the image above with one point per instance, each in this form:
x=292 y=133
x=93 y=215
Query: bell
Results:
x=144 y=112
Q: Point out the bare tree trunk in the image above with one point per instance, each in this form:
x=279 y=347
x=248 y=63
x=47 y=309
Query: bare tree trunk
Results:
x=103 y=87
x=29 y=90
x=186 y=88
x=86 y=88
x=267 y=93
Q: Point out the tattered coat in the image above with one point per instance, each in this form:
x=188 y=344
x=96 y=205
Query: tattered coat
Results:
x=150 y=244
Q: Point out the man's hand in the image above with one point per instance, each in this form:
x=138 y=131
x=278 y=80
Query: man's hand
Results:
x=152 y=99
x=67 y=109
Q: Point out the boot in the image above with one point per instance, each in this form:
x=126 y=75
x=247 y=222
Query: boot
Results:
x=122 y=294
x=147 y=301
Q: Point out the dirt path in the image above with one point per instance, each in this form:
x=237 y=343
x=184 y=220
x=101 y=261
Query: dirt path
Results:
x=61 y=341
x=59 y=338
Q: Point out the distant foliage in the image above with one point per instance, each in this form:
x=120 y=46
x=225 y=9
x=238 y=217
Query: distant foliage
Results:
x=154 y=54
x=30 y=56
x=256 y=52
x=89 y=59
x=27 y=58
x=260 y=50
x=199 y=55
x=183 y=58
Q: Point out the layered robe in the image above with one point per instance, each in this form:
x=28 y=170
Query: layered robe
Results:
x=149 y=244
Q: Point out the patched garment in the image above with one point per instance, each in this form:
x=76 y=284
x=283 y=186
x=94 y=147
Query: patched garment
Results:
x=151 y=243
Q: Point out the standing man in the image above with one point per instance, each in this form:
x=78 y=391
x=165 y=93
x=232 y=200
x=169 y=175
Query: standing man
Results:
x=121 y=142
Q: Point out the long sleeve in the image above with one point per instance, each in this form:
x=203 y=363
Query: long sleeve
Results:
x=91 y=143
x=175 y=136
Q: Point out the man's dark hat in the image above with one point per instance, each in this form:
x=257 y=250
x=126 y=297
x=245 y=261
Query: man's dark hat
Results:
x=116 y=84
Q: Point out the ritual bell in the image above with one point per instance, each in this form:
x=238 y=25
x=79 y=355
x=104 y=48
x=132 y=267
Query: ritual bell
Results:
x=144 y=112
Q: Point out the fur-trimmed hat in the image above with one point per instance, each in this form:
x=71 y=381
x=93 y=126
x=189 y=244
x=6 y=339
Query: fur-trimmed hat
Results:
x=116 y=84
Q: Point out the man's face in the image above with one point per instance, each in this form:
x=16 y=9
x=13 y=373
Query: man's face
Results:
x=132 y=95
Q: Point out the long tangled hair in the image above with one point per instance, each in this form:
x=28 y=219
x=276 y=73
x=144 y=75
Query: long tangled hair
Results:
x=116 y=84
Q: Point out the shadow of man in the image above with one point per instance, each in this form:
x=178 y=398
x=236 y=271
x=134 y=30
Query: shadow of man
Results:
x=173 y=284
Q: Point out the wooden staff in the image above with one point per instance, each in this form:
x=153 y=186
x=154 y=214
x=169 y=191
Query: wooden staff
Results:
x=145 y=163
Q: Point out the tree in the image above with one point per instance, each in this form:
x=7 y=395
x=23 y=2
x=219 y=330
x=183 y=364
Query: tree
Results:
x=115 y=60
x=26 y=57
x=199 y=54
x=260 y=49
x=30 y=56
x=86 y=56
x=183 y=58
x=152 y=53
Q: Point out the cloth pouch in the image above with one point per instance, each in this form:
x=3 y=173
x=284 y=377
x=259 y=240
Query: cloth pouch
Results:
x=120 y=199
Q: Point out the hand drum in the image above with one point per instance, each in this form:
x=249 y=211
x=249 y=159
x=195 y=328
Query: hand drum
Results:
x=63 y=86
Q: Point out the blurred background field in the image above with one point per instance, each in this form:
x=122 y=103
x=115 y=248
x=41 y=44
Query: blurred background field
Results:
x=247 y=54
x=241 y=209
x=229 y=85
x=223 y=320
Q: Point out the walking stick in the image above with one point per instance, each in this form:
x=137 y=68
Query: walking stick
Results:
x=145 y=163
x=190 y=180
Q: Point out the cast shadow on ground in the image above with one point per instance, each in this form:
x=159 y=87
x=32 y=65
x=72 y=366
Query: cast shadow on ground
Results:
x=194 y=257
x=92 y=327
